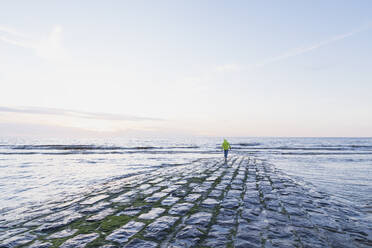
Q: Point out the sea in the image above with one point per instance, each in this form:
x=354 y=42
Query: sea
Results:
x=36 y=172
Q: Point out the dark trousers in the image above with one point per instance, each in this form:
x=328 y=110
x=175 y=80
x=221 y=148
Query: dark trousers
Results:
x=225 y=153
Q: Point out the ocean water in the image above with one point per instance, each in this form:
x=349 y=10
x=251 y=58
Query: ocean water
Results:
x=38 y=172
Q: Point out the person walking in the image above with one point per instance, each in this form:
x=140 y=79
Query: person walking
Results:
x=226 y=146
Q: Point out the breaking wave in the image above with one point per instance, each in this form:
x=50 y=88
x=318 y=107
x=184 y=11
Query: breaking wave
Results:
x=93 y=147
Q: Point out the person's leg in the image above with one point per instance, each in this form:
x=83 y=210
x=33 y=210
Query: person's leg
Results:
x=225 y=153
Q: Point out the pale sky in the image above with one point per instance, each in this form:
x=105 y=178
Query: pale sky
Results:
x=219 y=68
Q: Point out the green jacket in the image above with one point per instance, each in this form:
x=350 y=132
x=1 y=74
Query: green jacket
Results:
x=226 y=145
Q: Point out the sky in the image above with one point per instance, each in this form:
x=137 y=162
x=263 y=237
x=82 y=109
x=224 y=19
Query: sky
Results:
x=179 y=68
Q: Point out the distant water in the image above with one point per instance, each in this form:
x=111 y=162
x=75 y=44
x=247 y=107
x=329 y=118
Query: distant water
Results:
x=37 y=171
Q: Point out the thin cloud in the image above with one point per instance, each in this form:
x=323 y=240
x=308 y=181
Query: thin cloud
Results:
x=48 y=47
x=16 y=42
x=73 y=113
x=13 y=37
x=11 y=31
x=291 y=53
x=302 y=50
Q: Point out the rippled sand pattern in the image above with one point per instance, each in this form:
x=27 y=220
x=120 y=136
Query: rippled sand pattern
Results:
x=241 y=203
